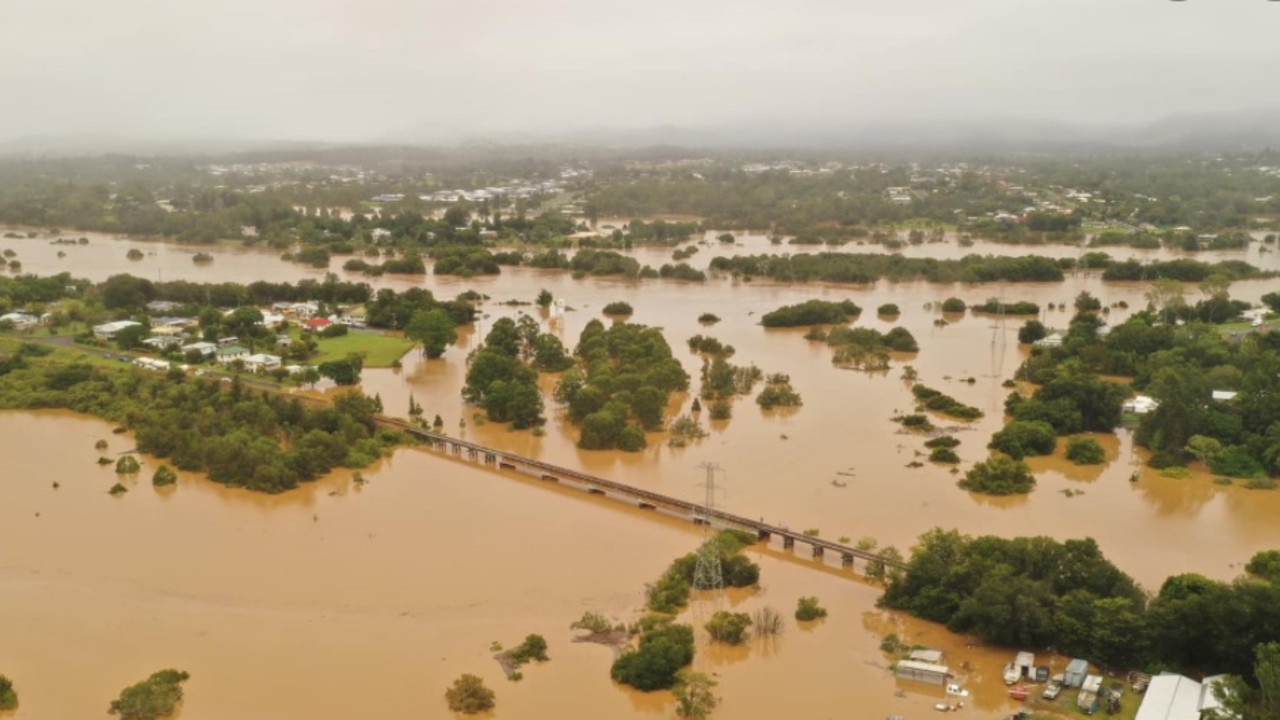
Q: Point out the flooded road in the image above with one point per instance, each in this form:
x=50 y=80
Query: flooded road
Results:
x=338 y=602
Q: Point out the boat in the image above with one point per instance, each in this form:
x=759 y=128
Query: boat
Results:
x=1011 y=673
x=943 y=707
x=957 y=690
x=1019 y=692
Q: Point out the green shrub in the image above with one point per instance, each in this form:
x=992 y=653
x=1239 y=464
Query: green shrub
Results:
x=944 y=455
x=534 y=647
x=729 y=628
x=953 y=305
x=618 y=308
x=153 y=698
x=999 y=475
x=888 y=309
x=1085 y=451
x=654 y=664
x=164 y=476
x=807 y=608
x=127 y=465
x=469 y=695
x=1019 y=439
x=8 y=696
x=943 y=441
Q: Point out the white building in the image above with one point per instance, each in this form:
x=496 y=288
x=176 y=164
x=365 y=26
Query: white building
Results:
x=161 y=342
x=261 y=362
x=207 y=349
x=20 y=319
x=1049 y=341
x=1140 y=405
x=1224 y=395
x=1174 y=697
x=107 y=331
x=150 y=363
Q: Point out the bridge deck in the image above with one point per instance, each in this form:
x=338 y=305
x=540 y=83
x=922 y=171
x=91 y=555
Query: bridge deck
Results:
x=724 y=519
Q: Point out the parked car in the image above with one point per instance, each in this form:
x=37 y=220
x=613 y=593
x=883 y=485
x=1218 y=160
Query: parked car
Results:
x=1051 y=692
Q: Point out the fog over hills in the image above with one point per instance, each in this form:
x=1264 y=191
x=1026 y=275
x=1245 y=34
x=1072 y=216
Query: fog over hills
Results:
x=1195 y=133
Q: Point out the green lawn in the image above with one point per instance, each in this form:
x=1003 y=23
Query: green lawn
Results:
x=379 y=351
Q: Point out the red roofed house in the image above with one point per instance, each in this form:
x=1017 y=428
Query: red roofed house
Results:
x=317 y=324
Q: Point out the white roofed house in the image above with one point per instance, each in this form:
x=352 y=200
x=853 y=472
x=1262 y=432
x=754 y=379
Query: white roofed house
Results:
x=160 y=342
x=261 y=362
x=107 y=331
x=207 y=349
x=20 y=319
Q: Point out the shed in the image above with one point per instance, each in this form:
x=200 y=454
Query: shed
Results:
x=1026 y=664
x=933 y=657
x=1092 y=683
x=1076 y=671
x=922 y=672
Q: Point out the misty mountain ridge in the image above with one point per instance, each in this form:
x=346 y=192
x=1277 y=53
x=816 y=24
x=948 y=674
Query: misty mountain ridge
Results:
x=1184 y=133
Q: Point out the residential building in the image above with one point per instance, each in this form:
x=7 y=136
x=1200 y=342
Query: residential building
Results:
x=1140 y=405
x=207 y=349
x=162 y=306
x=107 y=331
x=1175 y=697
x=160 y=342
x=231 y=353
x=261 y=362
x=922 y=672
x=20 y=319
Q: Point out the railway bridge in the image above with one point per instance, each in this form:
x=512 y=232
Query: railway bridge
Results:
x=638 y=497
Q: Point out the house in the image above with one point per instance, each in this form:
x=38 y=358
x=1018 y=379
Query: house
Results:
x=107 y=331
x=1049 y=341
x=261 y=362
x=304 y=310
x=1076 y=672
x=231 y=353
x=317 y=324
x=20 y=319
x=160 y=342
x=206 y=349
x=284 y=341
x=1209 y=701
x=922 y=672
x=1173 y=697
x=162 y=306
x=1224 y=395
x=150 y=363
x=229 y=340
x=1140 y=405
x=170 y=325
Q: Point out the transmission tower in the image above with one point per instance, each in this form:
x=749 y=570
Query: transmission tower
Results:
x=707 y=574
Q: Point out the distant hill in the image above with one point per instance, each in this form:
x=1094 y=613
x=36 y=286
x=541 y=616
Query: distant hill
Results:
x=1203 y=132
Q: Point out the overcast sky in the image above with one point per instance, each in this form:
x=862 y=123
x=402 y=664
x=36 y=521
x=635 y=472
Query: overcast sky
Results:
x=348 y=70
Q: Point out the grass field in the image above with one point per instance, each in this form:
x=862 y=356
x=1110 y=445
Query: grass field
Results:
x=379 y=351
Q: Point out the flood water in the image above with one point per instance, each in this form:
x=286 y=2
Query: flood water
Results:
x=335 y=601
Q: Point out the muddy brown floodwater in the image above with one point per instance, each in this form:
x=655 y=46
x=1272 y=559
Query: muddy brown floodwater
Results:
x=335 y=601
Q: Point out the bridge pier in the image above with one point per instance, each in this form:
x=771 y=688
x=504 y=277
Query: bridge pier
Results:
x=846 y=560
x=647 y=506
x=471 y=453
x=762 y=535
x=457 y=449
x=788 y=542
x=550 y=478
x=818 y=551
x=490 y=459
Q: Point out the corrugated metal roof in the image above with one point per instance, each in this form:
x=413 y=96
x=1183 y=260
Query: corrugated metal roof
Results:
x=923 y=667
x=927 y=656
x=1170 y=697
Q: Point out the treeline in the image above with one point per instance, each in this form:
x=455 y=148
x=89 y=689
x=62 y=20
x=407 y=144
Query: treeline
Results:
x=870 y=267
x=621 y=384
x=260 y=441
x=1038 y=592
x=1183 y=270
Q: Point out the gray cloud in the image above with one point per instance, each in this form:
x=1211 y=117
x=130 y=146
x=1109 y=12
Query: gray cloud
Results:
x=378 y=69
